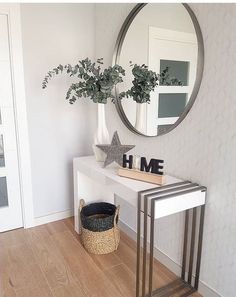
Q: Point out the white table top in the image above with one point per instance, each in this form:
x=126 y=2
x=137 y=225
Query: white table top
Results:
x=128 y=189
x=89 y=166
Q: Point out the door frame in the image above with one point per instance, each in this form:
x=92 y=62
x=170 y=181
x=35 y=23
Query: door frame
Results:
x=158 y=34
x=20 y=111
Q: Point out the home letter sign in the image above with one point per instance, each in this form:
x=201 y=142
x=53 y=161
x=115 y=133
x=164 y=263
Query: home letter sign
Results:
x=128 y=161
x=154 y=166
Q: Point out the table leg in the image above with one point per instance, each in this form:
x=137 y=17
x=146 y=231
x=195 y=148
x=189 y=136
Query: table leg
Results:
x=180 y=283
x=199 y=251
x=185 y=244
x=138 y=245
x=152 y=232
x=145 y=221
x=199 y=248
x=192 y=245
x=188 y=285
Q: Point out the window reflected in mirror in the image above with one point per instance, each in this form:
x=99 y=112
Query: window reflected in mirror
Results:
x=176 y=70
x=171 y=105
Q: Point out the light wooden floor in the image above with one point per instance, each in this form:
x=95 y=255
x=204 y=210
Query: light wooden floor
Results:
x=49 y=261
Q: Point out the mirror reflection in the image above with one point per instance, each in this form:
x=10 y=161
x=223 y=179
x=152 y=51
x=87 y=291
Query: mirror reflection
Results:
x=163 y=37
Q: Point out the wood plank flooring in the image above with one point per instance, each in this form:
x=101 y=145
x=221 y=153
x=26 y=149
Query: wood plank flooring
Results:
x=49 y=261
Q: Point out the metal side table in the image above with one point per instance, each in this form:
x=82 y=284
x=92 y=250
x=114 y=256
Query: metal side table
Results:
x=159 y=202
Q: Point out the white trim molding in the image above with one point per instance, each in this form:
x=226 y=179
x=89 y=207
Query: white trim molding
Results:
x=53 y=217
x=15 y=39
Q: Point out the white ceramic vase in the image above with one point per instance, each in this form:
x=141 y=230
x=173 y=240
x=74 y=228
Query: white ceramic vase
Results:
x=140 y=123
x=101 y=136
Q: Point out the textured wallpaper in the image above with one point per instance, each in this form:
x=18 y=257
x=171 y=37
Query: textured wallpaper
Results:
x=203 y=147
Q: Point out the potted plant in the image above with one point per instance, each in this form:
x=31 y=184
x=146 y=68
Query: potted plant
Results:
x=145 y=81
x=95 y=84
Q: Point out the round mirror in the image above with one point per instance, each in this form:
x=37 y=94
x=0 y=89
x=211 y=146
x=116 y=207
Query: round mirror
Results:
x=167 y=39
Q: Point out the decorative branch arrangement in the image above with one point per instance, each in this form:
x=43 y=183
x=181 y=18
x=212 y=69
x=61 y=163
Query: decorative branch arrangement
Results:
x=95 y=83
x=98 y=85
x=145 y=81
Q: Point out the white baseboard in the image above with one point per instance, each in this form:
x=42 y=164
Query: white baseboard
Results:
x=53 y=217
x=203 y=289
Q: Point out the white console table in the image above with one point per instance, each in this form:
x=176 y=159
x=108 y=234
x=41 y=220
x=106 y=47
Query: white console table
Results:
x=93 y=183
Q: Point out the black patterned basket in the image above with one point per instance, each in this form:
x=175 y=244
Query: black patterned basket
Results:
x=98 y=217
x=100 y=233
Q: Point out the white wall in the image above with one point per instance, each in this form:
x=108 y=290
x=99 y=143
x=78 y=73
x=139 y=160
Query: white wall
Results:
x=204 y=147
x=53 y=34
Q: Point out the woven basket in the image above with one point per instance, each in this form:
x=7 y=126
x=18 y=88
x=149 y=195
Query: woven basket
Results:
x=102 y=238
x=98 y=217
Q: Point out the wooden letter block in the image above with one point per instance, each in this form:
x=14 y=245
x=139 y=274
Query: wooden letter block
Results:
x=142 y=176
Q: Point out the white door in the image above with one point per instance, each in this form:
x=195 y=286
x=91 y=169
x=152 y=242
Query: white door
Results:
x=10 y=197
x=178 y=51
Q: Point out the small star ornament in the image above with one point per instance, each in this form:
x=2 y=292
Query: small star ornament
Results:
x=115 y=150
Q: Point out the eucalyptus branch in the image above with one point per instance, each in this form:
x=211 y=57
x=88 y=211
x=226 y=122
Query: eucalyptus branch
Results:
x=93 y=82
x=145 y=81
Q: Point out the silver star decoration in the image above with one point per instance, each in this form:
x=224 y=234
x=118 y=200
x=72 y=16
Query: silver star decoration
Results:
x=115 y=150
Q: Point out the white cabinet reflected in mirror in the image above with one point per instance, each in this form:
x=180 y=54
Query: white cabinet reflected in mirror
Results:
x=161 y=36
